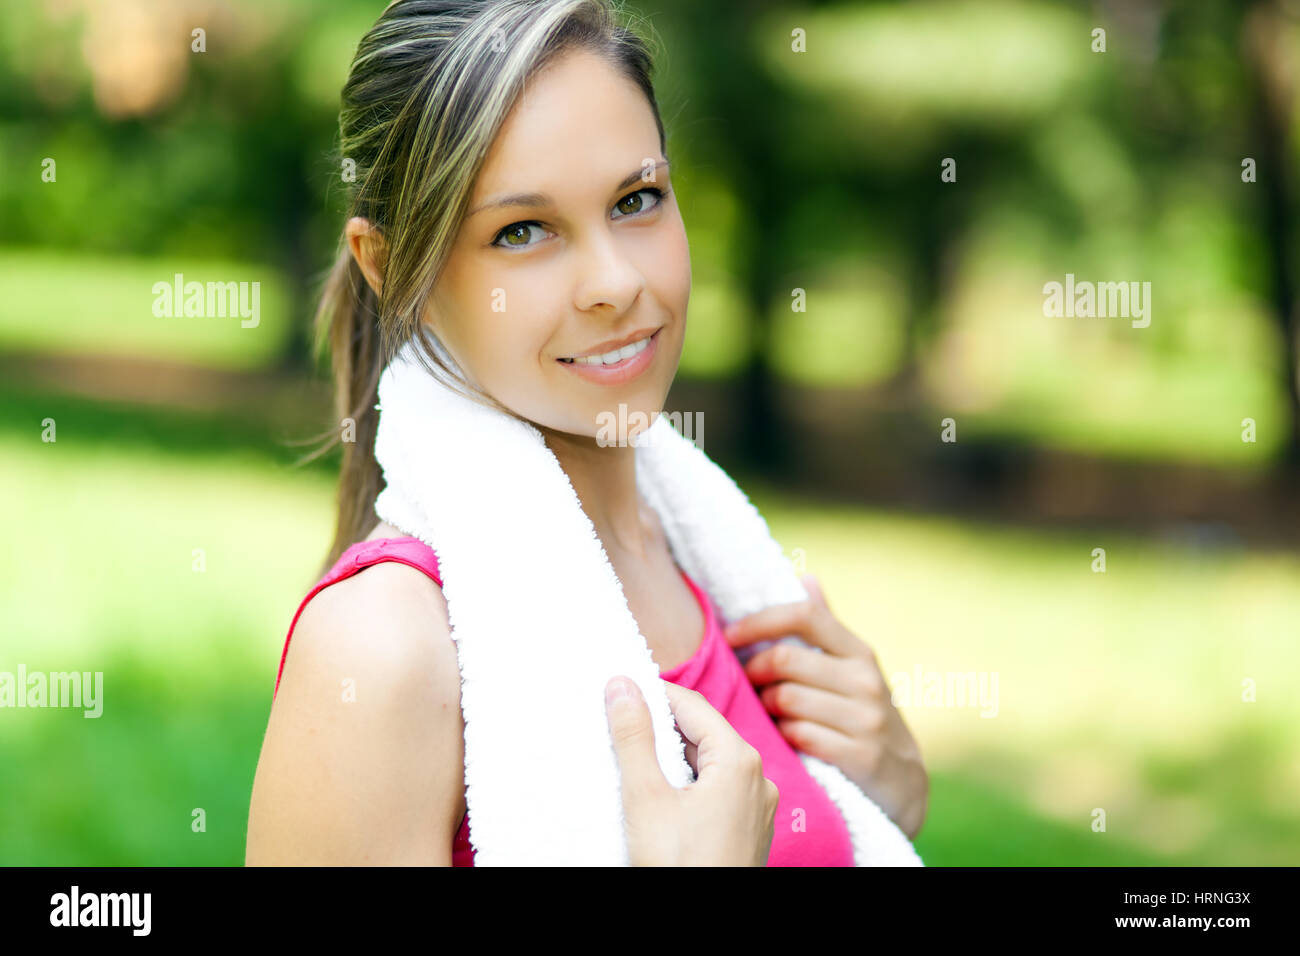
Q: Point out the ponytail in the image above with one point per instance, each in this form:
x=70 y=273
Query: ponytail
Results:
x=348 y=322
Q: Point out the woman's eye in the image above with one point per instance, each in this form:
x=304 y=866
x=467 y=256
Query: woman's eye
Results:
x=633 y=204
x=516 y=231
x=516 y=235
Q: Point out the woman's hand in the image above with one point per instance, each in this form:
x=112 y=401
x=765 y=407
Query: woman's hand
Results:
x=726 y=817
x=835 y=704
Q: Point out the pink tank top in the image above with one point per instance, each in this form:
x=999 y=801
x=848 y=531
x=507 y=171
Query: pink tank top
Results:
x=808 y=830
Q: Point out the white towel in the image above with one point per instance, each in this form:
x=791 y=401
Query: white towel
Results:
x=541 y=623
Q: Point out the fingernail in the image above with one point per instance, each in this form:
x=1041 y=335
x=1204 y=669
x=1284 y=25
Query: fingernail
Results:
x=615 y=689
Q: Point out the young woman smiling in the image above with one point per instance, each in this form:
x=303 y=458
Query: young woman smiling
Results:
x=514 y=199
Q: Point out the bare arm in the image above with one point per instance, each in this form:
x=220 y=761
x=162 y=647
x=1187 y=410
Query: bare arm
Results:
x=377 y=780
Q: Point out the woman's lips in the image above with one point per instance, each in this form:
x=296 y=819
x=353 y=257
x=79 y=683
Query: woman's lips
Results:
x=619 y=372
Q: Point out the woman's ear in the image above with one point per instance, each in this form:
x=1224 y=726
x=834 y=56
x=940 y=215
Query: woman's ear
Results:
x=369 y=249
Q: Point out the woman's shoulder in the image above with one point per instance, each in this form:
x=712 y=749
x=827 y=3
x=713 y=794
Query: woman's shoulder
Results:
x=379 y=611
x=394 y=593
x=378 y=641
x=382 y=634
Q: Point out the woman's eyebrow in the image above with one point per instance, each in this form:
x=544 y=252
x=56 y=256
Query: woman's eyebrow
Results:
x=541 y=199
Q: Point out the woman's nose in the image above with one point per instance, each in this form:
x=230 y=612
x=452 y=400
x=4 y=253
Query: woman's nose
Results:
x=608 y=276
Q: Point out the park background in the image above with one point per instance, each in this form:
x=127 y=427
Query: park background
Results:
x=1162 y=691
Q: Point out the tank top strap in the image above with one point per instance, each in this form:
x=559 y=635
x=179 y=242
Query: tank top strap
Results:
x=408 y=551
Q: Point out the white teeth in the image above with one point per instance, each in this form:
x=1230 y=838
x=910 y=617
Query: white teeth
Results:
x=618 y=355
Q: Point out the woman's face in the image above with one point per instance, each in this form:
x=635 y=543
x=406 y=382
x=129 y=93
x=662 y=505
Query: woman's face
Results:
x=595 y=253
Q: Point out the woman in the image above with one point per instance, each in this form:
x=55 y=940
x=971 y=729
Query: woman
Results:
x=513 y=200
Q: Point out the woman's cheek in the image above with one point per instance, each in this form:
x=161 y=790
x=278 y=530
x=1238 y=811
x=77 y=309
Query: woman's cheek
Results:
x=675 y=269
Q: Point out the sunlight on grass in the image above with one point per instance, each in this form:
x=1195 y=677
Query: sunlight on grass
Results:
x=122 y=530
x=105 y=581
x=55 y=302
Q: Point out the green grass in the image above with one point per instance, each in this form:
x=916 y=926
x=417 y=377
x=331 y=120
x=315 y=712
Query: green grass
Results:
x=1118 y=691
x=100 y=577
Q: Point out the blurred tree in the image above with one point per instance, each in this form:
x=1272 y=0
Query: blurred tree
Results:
x=1267 y=44
x=713 y=50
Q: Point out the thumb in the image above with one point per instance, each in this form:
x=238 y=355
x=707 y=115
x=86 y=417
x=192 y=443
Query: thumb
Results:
x=633 y=735
x=814 y=588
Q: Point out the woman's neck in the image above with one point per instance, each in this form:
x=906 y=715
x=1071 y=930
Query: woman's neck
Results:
x=604 y=478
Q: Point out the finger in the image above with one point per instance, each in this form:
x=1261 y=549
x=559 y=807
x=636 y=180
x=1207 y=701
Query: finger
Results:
x=851 y=717
x=702 y=727
x=692 y=754
x=694 y=715
x=689 y=750
x=809 y=620
x=633 y=737
x=817 y=740
x=850 y=677
x=814 y=589
x=770 y=623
